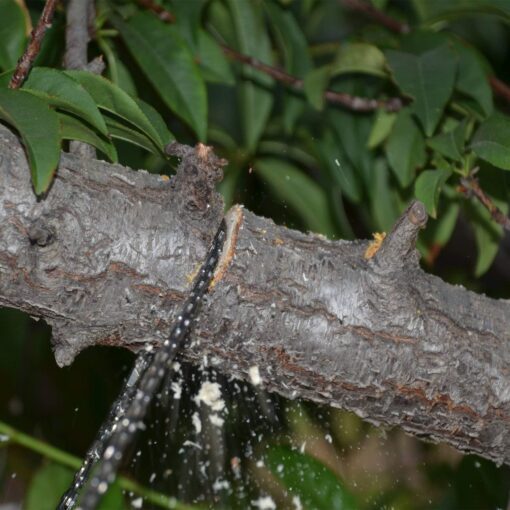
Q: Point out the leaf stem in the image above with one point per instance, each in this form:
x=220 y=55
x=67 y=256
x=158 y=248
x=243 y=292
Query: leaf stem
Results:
x=66 y=459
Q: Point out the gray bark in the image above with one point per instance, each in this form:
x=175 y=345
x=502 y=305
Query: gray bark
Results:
x=79 y=23
x=108 y=256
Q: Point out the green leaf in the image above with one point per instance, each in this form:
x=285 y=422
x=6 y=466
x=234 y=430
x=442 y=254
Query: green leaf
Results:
x=303 y=194
x=157 y=121
x=352 y=131
x=113 y=99
x=125 y=133
x=312 y=482
x=488 y=232
x=427 y=78
x=12 y=33
x=293 y=46
x=359 y=58
x=39 y=129
x=168 y=64
x=446 y=9
x=438 y=232
x=314 y=86
x=113 y=499
x=47 y=486
x=227 y=187
x=212 y=61
x=52 y=480
x=381 y=128
x=428 y=187
x=492 y=141
x=64 y=92
x=383 y=204
x=405 y=148
x=472 y=78
x=187 y=19
x=290 y=38
x=73 y=129
x=116 y=71
x=255 y=94
x=451 y=143
x=487 y=236
x=5 y=78
x=333 y=157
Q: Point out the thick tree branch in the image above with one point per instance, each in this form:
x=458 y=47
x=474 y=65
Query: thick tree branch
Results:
x=108 y=257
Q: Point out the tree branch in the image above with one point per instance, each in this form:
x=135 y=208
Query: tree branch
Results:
x=80 y=17
x=378 y=16
x=499 y=87
x=471 y=187
x=108 y=257
x=34 y=46
x=77 y=34
x=355 y=103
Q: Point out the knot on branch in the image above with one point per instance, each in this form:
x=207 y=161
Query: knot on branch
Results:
x=199 y=171
x=40 y=234
x=399 y=247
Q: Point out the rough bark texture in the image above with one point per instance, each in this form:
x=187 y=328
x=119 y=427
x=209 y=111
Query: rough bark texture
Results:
x=79 y=23
x=110 y=253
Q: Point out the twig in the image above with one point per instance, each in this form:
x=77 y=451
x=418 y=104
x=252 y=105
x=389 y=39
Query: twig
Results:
x=500 y=88
x=355 y=103
x=162 y=13
x=78 y=17
x=470 y=186
x=34 y=45
x=77 y=34
x=382 y=18
x=66 y=459
x=360 y=104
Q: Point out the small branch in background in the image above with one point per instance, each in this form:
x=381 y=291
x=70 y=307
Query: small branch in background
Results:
x=355 y=103
x=375 y=14
x=470 y=186
x=500 y=88
x=33 y=48
x=359 y=104
x=162 y=13
x=77 y=34
x=79 y=20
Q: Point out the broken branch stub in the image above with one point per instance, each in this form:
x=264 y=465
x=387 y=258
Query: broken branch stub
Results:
x=399 y=247
x=197 y=175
